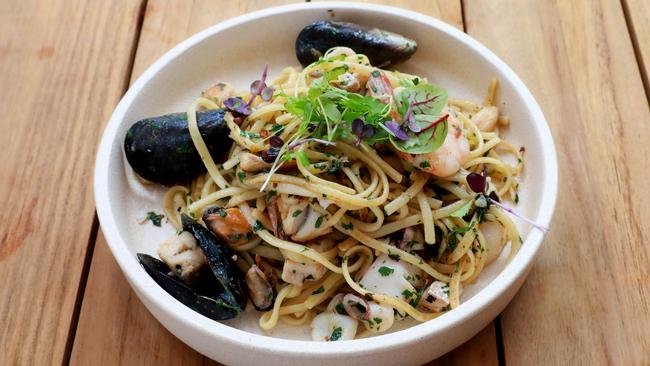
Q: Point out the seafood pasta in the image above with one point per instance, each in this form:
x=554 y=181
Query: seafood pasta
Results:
x=351 y=197
x=340 y=212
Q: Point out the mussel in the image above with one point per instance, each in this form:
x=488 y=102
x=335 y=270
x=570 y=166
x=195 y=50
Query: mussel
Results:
x=160 y=149
x=383 y=48
x=201 y=297
x=221 y=261
x=219 y=291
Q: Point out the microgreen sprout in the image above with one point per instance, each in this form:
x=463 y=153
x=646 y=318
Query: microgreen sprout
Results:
x=396 y=130
x=362 y=130
x=478 y=183
x=299 y=142
x=239 y=108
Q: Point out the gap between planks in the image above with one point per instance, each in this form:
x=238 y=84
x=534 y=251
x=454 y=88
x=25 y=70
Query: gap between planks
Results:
x=638 y=52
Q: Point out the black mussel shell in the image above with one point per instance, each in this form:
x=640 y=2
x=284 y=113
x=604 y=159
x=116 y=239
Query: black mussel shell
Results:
x=383 y=48
x=203 y=297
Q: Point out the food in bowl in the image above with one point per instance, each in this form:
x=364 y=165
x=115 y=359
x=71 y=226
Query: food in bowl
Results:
x=350 y=196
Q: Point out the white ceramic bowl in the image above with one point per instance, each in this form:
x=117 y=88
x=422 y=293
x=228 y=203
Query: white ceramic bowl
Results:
x=236 y=51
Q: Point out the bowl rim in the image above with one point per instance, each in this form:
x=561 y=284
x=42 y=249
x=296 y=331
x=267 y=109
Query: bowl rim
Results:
x=147 y=288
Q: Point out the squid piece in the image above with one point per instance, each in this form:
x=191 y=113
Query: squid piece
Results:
x=333 y=327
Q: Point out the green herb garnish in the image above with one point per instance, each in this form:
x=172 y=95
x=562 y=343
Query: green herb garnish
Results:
x=258 y=226
x=336 y=334
x=155 y=218
x=385 y=271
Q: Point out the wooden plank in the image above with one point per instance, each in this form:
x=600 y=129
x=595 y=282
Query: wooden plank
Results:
x=637 y=13
x=114 y=325
x=586 y=300
x=63 y=66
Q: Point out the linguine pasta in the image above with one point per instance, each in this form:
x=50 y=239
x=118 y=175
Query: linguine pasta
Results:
x=401 y=233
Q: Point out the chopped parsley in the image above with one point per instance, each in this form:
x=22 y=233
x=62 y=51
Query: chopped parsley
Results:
x=318 y=290
x=336 y=334
x=347 y=226
x=296 y=213
x=155 y=218
x=452 y=239
x=241 y=176
x=425 y=164
x=340 y=309
x=377 y=320
x=270 y=195
x=277 y=128
x=385 y=271
x=393 y=256
x=249 y=135
x=319 y=222
x=258 y=226
x=408 y=294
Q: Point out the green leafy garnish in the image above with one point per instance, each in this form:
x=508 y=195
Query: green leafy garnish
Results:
x=461 y=212
x=296 y=213
x=407 y=294
x=318 y=290
x=302 y=157
x=258 y=226
x=319 y=222
x=452 y=240
x=336 y=334
x=420 y=106
x=385 y=271
x=155 y=218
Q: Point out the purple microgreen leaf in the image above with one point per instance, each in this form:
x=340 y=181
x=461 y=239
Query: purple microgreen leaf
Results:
x=276 y=141
x=270 y=155
x=357 y=126
x=396 y=130
x=542 y=228
x=257 y=86
x=412 y=123
x=237 y=106
x=476 y=182
x=267 y=93
x=368 y=131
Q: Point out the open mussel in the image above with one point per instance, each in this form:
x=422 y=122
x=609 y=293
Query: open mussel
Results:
x=218 y=291
x=204 y=296
x=160 y=149
x=221 y=260
x=383 y=48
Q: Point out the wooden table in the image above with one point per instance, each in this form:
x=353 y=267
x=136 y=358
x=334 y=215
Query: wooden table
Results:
x=65 y=64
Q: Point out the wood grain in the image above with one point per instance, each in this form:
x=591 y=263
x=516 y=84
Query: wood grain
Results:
x=62 y=68
x=587 y=299
x=638 y=18
x=114 y=325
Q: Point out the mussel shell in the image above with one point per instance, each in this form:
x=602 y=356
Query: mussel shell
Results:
x=220 y=260
x=160 y=149
x=383 y=48
x=203 y=297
